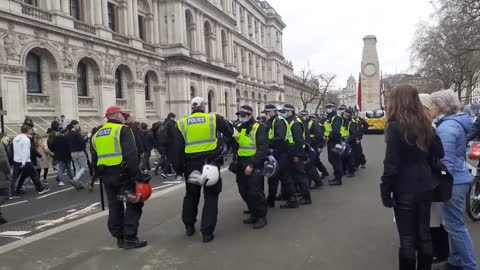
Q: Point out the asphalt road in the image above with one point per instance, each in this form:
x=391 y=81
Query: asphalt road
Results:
x=345 y=228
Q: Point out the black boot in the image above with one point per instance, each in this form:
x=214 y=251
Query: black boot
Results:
x=120 y=243
x=292 y=203
x=189 y=230
x=261 y=222
x=247 y=212
x=134 y=243
x=208 y=237
x=250 y=220
x=305 y=202
x=271 y=204
x=335 y=182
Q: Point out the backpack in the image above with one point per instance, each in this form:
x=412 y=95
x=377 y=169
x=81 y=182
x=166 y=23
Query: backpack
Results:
x=161 y=136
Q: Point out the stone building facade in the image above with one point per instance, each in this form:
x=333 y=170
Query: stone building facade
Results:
x=348 y=95
x=78 y=57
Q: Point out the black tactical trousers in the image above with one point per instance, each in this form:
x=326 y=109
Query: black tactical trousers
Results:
x=123 y=221
x=192 y=198
x=251 y=191
x=283 y=176
x=300 y=179
x=336 y=162
x=312 y=173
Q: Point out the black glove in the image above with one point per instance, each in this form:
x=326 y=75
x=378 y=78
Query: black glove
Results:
x=234 y=167
x=388 y=200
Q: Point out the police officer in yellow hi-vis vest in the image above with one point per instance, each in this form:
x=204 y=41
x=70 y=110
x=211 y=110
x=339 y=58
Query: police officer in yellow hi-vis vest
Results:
x=252 y=140
x=350 y=136
x=116 y=161
x=297 y=154
x=194 y=145
x=333 y=126
x=279 y=140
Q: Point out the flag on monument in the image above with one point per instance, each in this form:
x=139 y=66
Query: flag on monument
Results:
x=359 y=92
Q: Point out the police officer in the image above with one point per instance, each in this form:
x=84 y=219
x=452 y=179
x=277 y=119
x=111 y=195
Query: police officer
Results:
x=319 y=143
x=195 y=144
x=359 y=156
x=349 y=135
x=279 y=138
x=333 y=126
x=312 y=136
x=115 y=159
x=252 y=152
x=297 y=154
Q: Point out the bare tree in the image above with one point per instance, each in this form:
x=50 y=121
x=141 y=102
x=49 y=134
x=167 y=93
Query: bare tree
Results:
x=325 y=83
x=307 y=92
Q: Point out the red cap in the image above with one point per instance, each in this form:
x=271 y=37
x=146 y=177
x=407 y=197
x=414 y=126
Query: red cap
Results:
x=113 y=110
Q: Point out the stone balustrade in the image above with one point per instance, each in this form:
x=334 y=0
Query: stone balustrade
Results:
x=36 y=12
x=85 y=27
x=120 y=38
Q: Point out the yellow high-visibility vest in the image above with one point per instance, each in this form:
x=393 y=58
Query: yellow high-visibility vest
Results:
x=328 y=125
x=310 y=124
x=290 y=125
x=199 y=132
x=107 y=145
x=247 y=144
x=288 y=136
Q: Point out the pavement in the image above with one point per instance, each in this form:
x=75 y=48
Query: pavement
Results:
x=346 y=228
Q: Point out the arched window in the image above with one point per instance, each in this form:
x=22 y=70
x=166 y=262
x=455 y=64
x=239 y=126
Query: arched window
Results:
x=147 y=88
x=189 y=25
x=34 y=73
x=118 y=84
x=82 y=80
x=192 y=92
x=249 y=21
x=207 y=32
x=75 y=9
x=224 y=47
x=211 y=101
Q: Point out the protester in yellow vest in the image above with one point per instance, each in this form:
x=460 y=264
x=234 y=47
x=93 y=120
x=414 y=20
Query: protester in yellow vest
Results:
x=297 y=153
x=252 y=140
x=194 y=144
x=116 y=161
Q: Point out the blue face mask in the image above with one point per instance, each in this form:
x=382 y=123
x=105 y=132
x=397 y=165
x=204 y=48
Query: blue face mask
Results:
x=243 y=120
x=283 y=115
x=329 y=110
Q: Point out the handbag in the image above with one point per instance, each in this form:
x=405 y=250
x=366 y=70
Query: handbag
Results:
x=440 y=174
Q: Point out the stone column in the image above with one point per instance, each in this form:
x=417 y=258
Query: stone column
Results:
x=135 y=18
x=123 y=20
x=156 y=32
x=149 y=28
x=201 y=39
x=56 y=5
x=104 y=4
x=14 y=92
x=130 y=19
x=66 y=6
x=99 y=14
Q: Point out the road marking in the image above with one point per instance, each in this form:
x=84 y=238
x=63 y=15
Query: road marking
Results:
x=68 y=217
x=56 y=192
x=15 y=203
x=14 y=233
x=70 y=225
x=172 y=182
x=155 y=188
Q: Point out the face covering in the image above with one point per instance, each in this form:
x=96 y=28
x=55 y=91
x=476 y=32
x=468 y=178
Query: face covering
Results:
x=243 y=120
x=283 y=115
x=268 y=117
x=340 y=112
x=329 y=110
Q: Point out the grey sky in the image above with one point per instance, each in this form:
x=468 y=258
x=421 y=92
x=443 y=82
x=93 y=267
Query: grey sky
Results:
x=328 y=33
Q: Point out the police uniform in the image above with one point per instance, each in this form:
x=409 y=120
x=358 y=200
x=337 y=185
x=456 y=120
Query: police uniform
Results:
x=349 y=135
x=333 y=126
x=116 y=161
x=195 y=144
x=252 y=151
x=297 y=150
x=359 y=156
x=311 y=134
x=279 y=139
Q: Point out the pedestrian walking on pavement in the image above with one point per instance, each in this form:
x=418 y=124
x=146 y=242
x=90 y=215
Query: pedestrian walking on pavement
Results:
x=195 y=144
x=147 y=139
x=252 y=140
x=61 y=148
x=23 y=166
x=78 y=147
x=115 y=159
x=44 y=162
x=407 y=184
x=4 y=180
x=453 y=127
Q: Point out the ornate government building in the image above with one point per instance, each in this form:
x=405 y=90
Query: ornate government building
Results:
x=78 y=57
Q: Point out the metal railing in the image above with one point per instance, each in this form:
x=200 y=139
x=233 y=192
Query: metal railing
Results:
x=36 y=12
x=148 y=47
x=85 y=27
x=119 y=38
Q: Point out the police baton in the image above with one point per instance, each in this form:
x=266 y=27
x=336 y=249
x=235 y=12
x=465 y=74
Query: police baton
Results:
x=102 y=199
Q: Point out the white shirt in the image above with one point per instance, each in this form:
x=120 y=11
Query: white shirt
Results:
x=21 y=149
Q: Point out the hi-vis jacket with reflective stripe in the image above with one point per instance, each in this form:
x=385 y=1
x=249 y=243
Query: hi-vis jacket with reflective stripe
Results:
x=288 y=136
x=199 y=132
x=297 y=119
x=247 y=144
x=107 y=145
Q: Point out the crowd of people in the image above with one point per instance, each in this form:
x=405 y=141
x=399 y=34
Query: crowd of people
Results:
x=425 y=134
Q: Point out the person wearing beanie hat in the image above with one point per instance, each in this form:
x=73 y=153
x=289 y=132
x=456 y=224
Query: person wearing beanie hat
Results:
x=195 y=143
x=278 y=139
x=118 y=173
x=252 y=151
x=298 y=155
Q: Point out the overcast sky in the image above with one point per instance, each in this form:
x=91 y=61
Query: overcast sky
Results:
x=328 y=33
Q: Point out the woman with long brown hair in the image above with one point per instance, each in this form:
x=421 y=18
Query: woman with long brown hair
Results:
x=407 y=184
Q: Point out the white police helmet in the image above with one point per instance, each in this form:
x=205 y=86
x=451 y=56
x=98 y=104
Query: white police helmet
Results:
x=270 y=167
x=208 y=177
